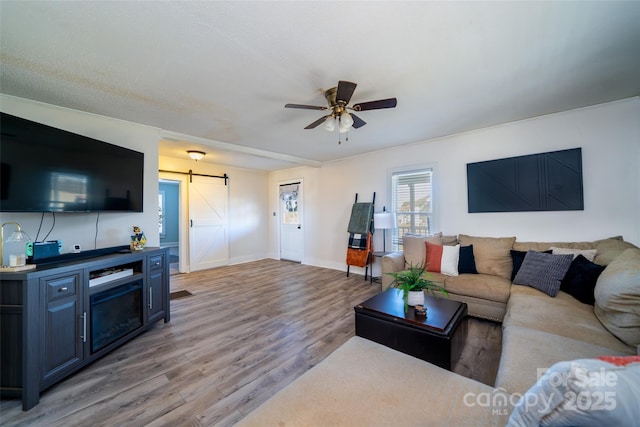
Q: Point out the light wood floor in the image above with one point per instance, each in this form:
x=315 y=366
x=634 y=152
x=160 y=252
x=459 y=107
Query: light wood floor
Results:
x=247 y=332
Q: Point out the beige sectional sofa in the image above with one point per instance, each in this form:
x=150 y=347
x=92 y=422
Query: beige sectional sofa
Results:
x=487 y=292
x=364 y=383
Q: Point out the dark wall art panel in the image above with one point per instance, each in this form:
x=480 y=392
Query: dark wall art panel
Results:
x=537 y=182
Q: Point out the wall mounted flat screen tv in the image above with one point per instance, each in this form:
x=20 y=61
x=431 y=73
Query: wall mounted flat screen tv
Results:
x=45 y=169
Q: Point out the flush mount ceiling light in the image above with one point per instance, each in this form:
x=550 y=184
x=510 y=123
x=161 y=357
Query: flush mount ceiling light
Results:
x=196 y=155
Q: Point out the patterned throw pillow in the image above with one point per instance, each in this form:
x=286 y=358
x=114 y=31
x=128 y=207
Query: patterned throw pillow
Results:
x=517 y=257
x=442 y=259
x=583 y=392
x=543 y=272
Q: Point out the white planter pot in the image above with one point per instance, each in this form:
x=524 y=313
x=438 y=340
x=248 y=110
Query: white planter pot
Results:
x=415 y=298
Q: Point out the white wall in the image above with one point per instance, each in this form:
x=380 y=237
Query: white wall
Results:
x=114 y=229
x=248 y=206
x=609 y=135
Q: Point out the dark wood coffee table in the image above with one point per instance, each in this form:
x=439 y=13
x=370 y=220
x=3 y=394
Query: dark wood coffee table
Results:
x=438 y=338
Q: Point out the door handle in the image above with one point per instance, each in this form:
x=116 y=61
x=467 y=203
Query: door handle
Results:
x=84 y=327
x=299 y=226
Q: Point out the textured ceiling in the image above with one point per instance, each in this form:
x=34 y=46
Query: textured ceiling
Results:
x=216 y=75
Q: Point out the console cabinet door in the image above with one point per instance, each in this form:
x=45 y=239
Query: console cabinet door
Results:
x=63 y=328
x=156 y=294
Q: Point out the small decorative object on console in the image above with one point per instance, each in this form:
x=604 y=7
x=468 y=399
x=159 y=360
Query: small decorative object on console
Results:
x=138 y=240
x=420 y=310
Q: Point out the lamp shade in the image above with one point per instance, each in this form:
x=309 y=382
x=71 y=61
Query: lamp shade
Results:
x=384 y=220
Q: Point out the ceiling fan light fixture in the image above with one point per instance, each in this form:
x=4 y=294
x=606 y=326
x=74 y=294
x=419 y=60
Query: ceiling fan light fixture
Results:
x=346 y=119
x=342 y=128
x=338 y=99
x=330 y=124
x=344 y=123
x=196 y=155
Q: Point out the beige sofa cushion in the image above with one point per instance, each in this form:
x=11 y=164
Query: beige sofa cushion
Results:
x=544 y=246
x=561 y=315
x=415 y=249
x=363 y=383
x=606 y=249
x=483 y=286
x=449 y=240
x=589 y=254
x=491 y=254
x=609 y=249
x=617 y=295
x=526 y=350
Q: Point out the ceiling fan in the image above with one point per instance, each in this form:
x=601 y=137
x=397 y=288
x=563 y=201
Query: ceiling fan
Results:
x=338 y=99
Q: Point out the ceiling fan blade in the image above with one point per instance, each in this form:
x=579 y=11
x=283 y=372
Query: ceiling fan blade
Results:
x=376 y=105
x=357 y=121
x=345 y=90
x=305 y=107
x=317 y=122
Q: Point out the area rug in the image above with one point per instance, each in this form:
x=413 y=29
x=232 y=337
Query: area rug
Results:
x=180 y=294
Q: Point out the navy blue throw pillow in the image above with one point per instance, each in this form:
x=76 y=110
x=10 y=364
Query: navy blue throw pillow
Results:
x=580 y=280
x=467 y=262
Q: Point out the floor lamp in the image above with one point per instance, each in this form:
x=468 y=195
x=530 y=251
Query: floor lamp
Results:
x=384 y=221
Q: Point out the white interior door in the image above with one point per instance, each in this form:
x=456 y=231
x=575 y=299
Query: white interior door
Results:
x=291 y=233
x=208 y=228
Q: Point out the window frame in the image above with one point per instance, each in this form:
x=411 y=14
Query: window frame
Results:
x=423 y=167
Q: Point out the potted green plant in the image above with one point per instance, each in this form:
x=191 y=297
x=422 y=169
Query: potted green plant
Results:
x=413 y=282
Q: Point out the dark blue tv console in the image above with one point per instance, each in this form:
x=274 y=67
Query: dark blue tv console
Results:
x=68 y=313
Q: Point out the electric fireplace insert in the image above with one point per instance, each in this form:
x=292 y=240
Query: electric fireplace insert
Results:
x=115 y=313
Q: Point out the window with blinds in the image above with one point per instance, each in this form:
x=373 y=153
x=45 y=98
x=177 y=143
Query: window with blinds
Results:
x=412 y=202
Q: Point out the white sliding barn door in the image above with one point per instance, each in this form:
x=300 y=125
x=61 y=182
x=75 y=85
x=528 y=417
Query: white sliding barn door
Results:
x=208 y=228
